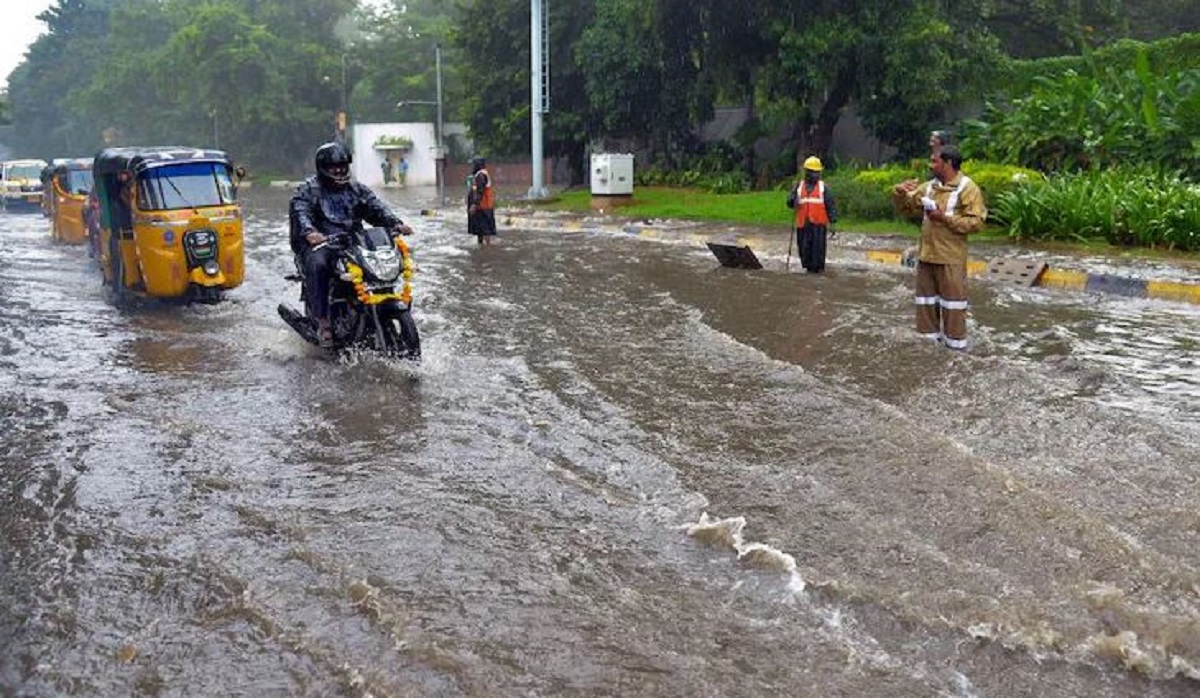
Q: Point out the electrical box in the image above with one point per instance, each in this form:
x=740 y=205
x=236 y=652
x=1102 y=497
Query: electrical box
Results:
x=612 y=174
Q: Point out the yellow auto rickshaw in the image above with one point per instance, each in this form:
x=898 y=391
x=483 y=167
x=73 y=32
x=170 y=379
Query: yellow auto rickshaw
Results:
x=68 y=183
x=170 y=225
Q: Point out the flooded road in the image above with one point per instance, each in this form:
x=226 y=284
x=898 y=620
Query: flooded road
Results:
x=618 y=471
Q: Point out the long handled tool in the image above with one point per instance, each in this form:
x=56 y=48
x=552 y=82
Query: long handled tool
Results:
x=787 y=266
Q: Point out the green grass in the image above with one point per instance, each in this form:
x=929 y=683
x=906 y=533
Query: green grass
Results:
x=760 y=208
x=768 y=209
x=755 y=208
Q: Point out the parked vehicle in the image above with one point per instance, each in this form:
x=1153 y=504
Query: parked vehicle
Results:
x=21 y=184
x=68 y=183
x=170 y=225
x=370 y=298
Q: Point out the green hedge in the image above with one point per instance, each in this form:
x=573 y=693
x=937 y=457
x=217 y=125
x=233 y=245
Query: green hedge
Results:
x=876 y=184
x=1171 y=55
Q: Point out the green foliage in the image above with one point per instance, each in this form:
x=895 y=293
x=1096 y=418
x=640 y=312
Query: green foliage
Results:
x=1124 y=206
x=1168 y=55
x=886 y=177
x=394 y=58
x=869 y=191
x=1119 y=115
x=398 y=141
x=715 y=167
x=244 y=76
x=1030 y=28
x=995 y=179
x=860 y=199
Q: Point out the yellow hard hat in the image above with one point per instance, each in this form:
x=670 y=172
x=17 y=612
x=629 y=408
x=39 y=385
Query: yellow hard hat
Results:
x=813 y=163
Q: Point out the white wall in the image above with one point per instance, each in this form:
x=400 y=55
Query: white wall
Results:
x=422 y=169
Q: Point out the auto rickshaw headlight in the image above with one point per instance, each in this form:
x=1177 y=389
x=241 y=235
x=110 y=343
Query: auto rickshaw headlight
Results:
x=201 y=248
x=211 y=267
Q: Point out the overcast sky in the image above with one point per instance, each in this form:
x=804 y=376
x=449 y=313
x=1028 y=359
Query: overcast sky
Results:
x=18 y=28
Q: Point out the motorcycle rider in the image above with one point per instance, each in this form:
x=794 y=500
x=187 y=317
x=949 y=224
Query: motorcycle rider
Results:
x=328 y=203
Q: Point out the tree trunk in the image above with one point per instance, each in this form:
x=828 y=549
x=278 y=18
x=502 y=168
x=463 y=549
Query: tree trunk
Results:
x=816 y=138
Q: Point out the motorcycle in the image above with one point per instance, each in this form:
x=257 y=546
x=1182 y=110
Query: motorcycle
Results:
x=370 y=295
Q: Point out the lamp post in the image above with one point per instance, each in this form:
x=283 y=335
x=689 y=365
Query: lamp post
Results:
x=439 y=148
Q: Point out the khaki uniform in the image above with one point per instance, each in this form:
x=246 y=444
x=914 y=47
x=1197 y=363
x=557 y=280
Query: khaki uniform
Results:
x=942 y=257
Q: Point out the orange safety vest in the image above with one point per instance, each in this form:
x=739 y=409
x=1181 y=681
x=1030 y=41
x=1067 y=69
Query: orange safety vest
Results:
x=487 y=198
x=810 y=206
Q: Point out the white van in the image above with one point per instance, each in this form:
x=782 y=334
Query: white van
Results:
x=21 y=183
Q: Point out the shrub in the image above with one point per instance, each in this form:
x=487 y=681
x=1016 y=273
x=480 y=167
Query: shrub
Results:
x=1123 y=206
x=398 y=141
x=869 y=191
x=884 y=178
x=996 y=179
x=862 y=198
x=1111 y=115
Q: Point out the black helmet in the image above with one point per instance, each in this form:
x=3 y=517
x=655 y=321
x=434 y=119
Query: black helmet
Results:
x=333 y=164
x=478 y=163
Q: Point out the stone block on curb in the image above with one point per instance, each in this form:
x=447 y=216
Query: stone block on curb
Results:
x=1018 y=272
x=1117 y=285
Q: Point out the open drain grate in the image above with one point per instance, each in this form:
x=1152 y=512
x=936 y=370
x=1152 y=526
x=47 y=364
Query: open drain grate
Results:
x=735 y=255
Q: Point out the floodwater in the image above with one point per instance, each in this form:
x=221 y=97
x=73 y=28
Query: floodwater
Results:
x=618 y=471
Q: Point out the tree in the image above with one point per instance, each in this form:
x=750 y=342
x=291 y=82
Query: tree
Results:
x=492 y=39
x=396 y=53
x=57 y=64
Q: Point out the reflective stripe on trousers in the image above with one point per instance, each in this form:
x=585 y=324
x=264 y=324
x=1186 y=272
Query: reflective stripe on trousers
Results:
x=942 y=304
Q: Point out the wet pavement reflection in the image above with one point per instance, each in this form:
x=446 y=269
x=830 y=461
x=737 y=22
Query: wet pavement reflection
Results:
x=619 y=470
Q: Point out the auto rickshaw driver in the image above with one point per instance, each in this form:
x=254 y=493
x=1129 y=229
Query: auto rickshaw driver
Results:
x=170 y=225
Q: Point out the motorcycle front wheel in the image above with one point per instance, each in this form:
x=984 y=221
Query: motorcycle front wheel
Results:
x=401 y=338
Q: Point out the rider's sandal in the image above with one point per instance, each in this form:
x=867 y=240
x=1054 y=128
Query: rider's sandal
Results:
x=325 y=338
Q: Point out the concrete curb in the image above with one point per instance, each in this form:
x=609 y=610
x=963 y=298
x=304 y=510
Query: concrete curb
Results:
x=1061 y=278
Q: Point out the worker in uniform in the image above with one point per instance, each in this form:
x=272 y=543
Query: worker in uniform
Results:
x=952 y=207
x=815 y=212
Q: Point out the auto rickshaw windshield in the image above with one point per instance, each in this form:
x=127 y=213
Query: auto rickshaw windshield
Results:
x=78 y=182
x=185 y=185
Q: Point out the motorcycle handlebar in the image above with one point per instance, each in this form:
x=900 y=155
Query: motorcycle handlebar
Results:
x=340 y=239
x=335 y=240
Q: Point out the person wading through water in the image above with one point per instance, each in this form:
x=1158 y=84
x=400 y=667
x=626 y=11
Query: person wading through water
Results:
x=481 y=203
x=952 y=207
x=815 y=212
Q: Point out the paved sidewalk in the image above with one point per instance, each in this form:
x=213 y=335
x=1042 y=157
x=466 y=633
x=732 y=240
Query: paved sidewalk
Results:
x=1131 y=277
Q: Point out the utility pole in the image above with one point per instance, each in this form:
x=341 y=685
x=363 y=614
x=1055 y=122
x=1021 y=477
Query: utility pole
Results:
x=539 y=65
x=441 y=136
x=341 y=119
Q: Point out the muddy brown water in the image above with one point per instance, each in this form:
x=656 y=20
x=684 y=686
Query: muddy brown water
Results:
x=618 y=471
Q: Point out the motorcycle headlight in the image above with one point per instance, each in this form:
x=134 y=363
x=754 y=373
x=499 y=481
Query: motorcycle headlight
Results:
x=382 y=264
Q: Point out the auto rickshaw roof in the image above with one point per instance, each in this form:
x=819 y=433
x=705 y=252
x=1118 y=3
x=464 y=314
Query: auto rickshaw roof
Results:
x=137 y=159
x=65 y=164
